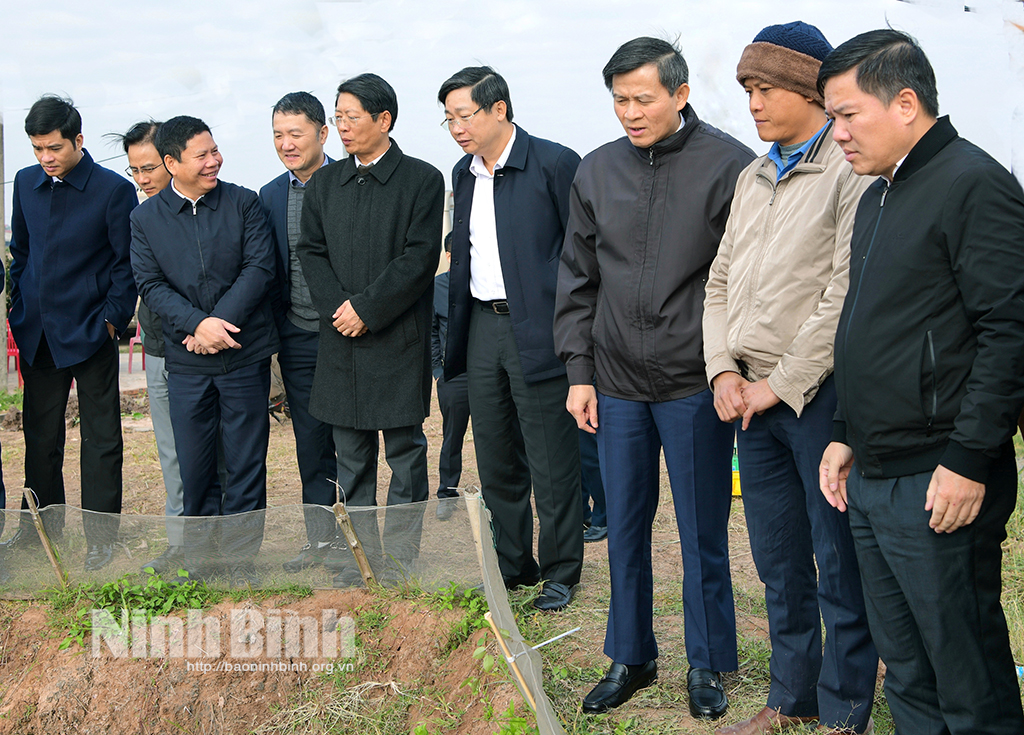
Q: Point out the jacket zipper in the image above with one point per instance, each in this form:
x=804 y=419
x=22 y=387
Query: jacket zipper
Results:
x=856 y=296
x=640 y=281
x=202 y=262
x=935 y=386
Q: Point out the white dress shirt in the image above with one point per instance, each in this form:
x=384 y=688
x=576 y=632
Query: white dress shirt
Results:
x=485 y=280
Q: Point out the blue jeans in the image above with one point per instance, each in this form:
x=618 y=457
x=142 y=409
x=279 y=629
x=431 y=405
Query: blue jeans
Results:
x=790 y=527
x=698 y=454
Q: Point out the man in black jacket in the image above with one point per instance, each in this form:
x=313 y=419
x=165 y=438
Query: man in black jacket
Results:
x=647 y=213
x=929 y=366
x=204 y=262
x=511 y=195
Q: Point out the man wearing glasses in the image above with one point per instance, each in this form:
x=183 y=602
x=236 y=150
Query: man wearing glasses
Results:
x=369 y=247
x=511 y=205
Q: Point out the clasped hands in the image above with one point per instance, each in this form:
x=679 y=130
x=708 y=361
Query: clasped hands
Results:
x=736 y=397
x=212 y=335
x=348 y=322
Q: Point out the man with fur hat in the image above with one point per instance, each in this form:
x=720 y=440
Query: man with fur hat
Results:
x=773 y=299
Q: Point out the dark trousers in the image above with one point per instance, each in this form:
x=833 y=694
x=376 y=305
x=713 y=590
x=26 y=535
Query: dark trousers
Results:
x=591 y=486
x=314 y=440
x=933 y=605
x=405 y=449
x=233 y=405
x=453 y=400
x=543 y=449
x=790 y=527
x=46 y=399
x=698 y=454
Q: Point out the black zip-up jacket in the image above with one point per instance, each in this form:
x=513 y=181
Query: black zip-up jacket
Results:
x=929 y=358
x=213 y=259
x=644 y=226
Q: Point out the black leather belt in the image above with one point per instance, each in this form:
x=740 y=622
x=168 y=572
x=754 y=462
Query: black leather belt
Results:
x=497 y=307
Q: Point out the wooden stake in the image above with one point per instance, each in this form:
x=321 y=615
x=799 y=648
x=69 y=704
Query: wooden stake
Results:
x=37 y=520
x=345 y=521
x=511 y=661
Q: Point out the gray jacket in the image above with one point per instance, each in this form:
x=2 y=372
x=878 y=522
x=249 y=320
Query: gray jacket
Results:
x=644 y=226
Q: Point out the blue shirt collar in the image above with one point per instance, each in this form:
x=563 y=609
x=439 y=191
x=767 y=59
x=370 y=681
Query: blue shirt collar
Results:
x=795 y=157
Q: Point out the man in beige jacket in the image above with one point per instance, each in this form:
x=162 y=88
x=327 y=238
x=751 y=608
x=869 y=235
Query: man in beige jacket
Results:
x=773 y=300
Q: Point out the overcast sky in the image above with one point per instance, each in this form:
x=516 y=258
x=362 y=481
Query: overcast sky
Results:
x=229 y=61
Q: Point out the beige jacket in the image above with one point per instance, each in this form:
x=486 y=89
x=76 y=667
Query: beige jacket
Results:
x=777 y=285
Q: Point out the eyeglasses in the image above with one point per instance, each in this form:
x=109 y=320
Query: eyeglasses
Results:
x=463 y=121
x=352 y=121
x=142 y=171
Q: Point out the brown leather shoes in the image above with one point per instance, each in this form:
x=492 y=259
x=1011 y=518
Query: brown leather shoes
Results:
x=765 y=722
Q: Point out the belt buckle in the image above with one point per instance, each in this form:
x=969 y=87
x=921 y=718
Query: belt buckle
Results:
x=500 y=307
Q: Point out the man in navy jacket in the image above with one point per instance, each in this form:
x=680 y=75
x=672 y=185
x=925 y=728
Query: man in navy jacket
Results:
x=511 y=205
x=204 y=261
x=300 y=131
x=72 y=294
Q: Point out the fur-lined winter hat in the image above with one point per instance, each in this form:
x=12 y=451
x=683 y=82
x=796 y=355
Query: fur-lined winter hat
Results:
x=786 y=56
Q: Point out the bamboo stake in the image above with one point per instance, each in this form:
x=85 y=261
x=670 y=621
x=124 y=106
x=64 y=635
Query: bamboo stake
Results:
x=511 y=661
x=37 y=520
x=345 y=521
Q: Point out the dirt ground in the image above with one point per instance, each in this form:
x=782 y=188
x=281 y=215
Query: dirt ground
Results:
x=52 y=691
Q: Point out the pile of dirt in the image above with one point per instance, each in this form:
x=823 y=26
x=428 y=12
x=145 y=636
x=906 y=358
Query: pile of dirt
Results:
x=400 y=646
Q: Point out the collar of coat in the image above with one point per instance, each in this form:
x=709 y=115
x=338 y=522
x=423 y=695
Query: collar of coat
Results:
x=516 y=157
x=77 y=177
x=813 y=161
x=177 y=202
x=938 y=137
x=674 y=142
x=381 y=170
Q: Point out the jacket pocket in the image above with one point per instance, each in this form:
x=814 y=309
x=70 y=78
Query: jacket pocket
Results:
x=929 y=380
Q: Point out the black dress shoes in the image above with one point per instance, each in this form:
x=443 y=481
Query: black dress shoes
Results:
x=707 y=697
x=554 y=596
x=618 y=685
x=98 y=556
x=514 y=583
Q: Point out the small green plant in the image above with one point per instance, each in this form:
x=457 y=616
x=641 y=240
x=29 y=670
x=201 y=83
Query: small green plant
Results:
x=514 y=724
x=9 y=399
x=153 y=597
x=471 y=602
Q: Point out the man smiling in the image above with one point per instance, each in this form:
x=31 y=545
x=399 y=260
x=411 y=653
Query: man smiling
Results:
x=203 y=260
x=646 y=215
x=300 y=131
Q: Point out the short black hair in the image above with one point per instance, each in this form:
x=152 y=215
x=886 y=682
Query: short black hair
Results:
x=173 y=136
x=672 y=69
x=141 y=132
x=487 y=87
x=302 y=103
x=887 y=62
x=448 y=238
x=373 y=93
x=51 y=112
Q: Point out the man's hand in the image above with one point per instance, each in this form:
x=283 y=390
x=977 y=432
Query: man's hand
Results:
x=835 y=467
x=582 y=404
x=729 y=401
x=759 y=397
x=348 y=322
x=214 y=334
x=192 y=345
x=953 y=500
x=111 y=331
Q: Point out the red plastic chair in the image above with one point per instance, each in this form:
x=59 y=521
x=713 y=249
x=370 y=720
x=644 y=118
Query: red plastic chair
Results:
x=13 y=351
x=136 y=340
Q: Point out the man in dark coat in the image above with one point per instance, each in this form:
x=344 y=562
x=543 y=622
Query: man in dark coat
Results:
x=371 y=231
x=72 y=294
x=511 y=203
x=300 y=131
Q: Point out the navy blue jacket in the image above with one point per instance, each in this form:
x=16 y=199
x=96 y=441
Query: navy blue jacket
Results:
x=531 y=207
x=70 y=273
x=216 y=259
x=274 y=198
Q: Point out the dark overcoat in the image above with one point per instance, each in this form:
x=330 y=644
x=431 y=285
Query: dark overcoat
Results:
x=373 y=239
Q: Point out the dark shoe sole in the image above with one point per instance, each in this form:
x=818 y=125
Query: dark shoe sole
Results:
x=612 y=703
